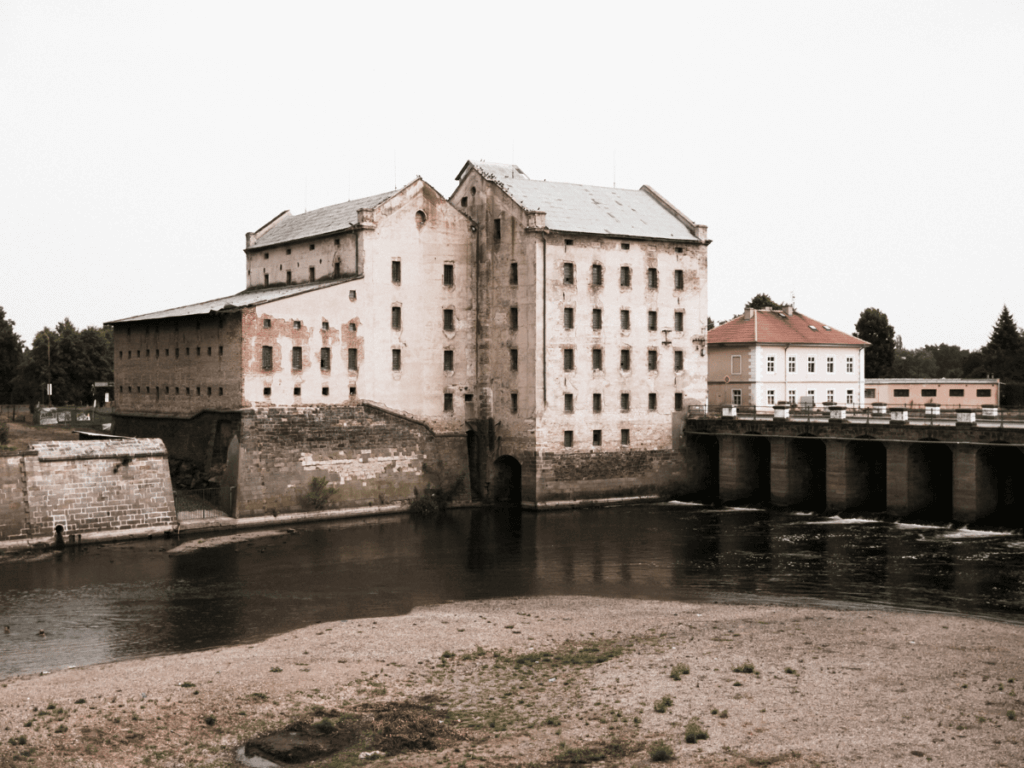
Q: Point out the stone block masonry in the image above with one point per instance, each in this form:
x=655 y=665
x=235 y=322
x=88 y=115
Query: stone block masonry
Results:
x=592 y=476
x=85 y=487
x=369 y=454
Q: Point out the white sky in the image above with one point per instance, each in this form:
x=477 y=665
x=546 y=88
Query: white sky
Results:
x=856 y=154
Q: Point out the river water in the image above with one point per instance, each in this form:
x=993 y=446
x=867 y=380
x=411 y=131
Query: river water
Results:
x=118 y=601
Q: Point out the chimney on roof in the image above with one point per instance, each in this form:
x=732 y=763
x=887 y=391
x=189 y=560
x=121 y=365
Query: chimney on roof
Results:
x=788 y=309
x=748 y=313
x=250 y=239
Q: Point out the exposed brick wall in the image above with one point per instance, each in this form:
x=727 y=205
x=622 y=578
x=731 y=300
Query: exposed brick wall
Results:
x=586 y=475
x=14 y=517
x=85 y=487
x=98 y=486
x=370 y=455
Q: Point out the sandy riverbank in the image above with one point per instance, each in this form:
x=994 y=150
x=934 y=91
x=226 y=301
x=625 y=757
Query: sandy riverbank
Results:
x=835 y=688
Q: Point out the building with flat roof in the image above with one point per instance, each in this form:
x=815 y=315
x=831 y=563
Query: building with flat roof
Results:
x=945 y=393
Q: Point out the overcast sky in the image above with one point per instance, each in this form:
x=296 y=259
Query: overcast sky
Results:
x=852 y=155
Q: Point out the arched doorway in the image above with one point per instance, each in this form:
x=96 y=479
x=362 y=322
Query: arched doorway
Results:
x=508 y=480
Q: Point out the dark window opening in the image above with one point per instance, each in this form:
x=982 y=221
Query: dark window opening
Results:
x=325 y=359
x=568 y=273
x=679 y=279
x=568 y=241
x=901 y=393
x=625 y=277
x=266 y=323
x=515 y=402
x=268 y=358
x=513 y=277
x=568 y=360
x=449 y=401
x=513 y=318
x=296 y=324
x=464 y=201
x=597 y=402
x=568 y=316
x=396 y=318
x=449 y=274
x=679 y=321
x=597 y=437
x=297 y=391
x=266 y=391
x=652 y=360
x=652 y=401
x=678 y=359
x=497 y=229
x=595 y=320
x=597 y=274
x=956 y=393
x=325 y=325
x=652 y=278
x=296 y=358
x=325 y=391
x=624 y=319
x=624 y=359
x=312 y=274
x=353 y=359
x=984 y=393
x=624 y=437
x=624 y=401
x=514 y=359
x=396 y=271
x=568 y=403
x=679 y=401
x=449 y=319
x=288 y=277
x=652 y=321
x=928 y=392
x=625 y=246
x=567 y=440
x=449 y=360
x=597 y=356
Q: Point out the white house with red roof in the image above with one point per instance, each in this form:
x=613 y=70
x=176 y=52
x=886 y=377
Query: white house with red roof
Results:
x=769 y=356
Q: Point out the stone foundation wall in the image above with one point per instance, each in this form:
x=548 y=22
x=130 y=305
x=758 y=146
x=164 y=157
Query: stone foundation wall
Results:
x=202 y=439
x=14 y=517
x=584 y=475
x=370 y=455
x=85 y=487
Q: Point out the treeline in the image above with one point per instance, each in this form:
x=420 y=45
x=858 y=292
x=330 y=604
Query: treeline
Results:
x=69 y=358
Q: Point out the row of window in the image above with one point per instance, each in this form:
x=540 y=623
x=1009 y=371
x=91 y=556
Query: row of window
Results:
x=597 y=403
x=568 y=275
x=597 y=319
x=830 y=396
x=830 y=364
x=870 y=393
x=597 y=359
x=568 y=438
x=177 y=352
x=167 y=390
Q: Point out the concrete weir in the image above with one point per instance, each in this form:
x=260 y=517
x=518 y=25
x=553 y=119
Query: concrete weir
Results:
x=944 y=473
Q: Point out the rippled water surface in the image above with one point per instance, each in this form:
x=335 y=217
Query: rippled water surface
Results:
x=103 y=603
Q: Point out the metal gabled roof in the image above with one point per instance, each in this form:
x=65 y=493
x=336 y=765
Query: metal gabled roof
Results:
x=322 y=221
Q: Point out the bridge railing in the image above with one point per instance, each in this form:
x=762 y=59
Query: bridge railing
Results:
x=988 y=416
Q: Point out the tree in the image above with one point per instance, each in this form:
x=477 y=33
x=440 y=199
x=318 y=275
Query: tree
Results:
x=1005 y=336
x=763 y=301
x=11 y=350
x=70 y=359
x=873 y=327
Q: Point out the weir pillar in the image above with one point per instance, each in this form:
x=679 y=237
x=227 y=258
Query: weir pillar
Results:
x=855 y=475
x=798 y=472
x=737 y=468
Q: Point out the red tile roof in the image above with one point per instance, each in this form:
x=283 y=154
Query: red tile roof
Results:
x=770 y=326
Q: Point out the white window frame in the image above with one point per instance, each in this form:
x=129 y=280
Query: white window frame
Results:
x=830 y=396
x=849 y=397
x=792 y=397
x=771 y=363
x=810 y=364
x=849 y=365
x=737 y=397
x=830 y=365
x=771 y=397
x=792 y=364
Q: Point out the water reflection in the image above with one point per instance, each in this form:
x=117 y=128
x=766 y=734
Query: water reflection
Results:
x=119 y=601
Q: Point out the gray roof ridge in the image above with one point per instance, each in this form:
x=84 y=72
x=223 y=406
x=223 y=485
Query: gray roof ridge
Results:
x=286 y=291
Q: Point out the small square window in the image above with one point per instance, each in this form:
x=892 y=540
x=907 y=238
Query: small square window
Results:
x=597 y=402
x=597 y=437
x=567 y=439
x=568 y=403
x=624 y=437
x=266 y=323
x=351 y=295
x=297 y=391
x=625 y=246
x=325 y=326
x=352 y=327
x=679 y=401
x=325 y=390
x=351 y=391
x=652 y=401
x=514 y=405
x=449 y=401
x=449 y=360
x=513 y=274
x=266 y=391
x=568 y=242
x=296 y=324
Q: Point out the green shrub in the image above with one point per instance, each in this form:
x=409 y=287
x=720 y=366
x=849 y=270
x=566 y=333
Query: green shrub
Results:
x=679 y=670
x=210 y=720
x=746 y=668
x=660 y=752
x=1010 y=714
x=5 y=432
x=435 y=501
x=662 y=704
x=319 y=494
x=695 y=732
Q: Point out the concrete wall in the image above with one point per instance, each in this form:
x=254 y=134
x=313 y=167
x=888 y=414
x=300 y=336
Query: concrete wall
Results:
x=371 y=455
x=86 y=487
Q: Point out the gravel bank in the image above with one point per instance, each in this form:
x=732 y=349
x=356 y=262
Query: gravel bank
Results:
x=835 y=688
